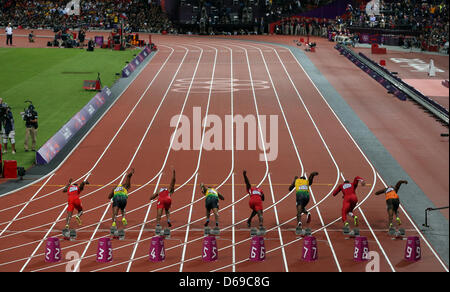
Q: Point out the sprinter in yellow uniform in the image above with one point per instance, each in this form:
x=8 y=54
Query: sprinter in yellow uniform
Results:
x=392 y=201
x=119 y=196
x=211 y=202
x=301 y=186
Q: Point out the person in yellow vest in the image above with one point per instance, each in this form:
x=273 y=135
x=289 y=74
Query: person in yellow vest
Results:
x=301 y=186
x=212 y=197
x=392 y=201
x=119 y=196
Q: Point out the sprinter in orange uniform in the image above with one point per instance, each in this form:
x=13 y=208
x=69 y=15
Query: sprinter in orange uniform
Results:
x=392 y=201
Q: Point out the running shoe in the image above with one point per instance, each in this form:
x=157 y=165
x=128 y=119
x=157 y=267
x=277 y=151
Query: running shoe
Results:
x=78 y=219
x=114 y=224
x=206 y=223
x=399 y=222
x=124 y=221
x=67 y=226
x=168 y=223
x=356 y=220
x=308 y=218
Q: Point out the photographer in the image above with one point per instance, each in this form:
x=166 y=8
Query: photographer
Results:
x=8 y=131
x=3 y=110
x=30 y=116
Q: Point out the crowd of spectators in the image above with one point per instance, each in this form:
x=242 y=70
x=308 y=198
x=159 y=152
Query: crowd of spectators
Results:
x=426 y=21
x=252 y=16
x=422 y=24
x=139 y=15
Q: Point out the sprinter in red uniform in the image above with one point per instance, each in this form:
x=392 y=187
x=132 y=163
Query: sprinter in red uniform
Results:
x=164 y=202
x=255 y=203
x=73 y=200
x=350 y=200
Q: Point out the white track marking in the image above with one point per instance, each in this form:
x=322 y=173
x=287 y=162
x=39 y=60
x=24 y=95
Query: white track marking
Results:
x=167 y=155
x=107 y=147
x=23 y=208
x=373 y=234
x=100 y=188
x=188 y=225
x=418 y=231
x=296 y=151
x=86 y=135
x=142 y=228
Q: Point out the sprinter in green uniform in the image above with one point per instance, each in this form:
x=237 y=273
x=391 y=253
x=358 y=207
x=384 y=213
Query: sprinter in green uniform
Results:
x=211 y=202
x=119 y=196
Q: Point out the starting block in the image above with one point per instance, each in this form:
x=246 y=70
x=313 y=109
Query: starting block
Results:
x=346 y=230
x=166 y=232
x=118 y=233
x=400 y=233
x=121 y=234
x=303 y=232
x=69 y=234
x=261 y=232
x=392 y=231
x=354 y=232
x=158 y=229
x=215 y=231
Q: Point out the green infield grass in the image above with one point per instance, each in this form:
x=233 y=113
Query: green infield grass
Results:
x=52 y=79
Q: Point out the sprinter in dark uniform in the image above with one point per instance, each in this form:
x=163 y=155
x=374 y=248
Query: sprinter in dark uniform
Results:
x=119 y=196
x=211 y=202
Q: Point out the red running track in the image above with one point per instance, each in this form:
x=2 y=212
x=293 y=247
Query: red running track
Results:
x=218 y=78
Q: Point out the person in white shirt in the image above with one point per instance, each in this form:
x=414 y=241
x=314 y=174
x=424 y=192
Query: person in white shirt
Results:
x=9 y=34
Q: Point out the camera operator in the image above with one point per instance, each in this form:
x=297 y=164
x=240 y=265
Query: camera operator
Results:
x=30 y=116
x=8 y=132
x=3 y=109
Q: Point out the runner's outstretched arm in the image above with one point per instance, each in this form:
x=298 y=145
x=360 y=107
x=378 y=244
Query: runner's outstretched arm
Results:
x=127 y=184
x=399 y=183
x=311 y=177
x=67 y=186
x=247 y=182
x=172 y=183
x=292 y=186
x=381 y=191
x=83 y=184
x=111 y=194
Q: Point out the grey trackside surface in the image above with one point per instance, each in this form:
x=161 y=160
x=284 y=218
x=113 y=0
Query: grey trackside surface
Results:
x=388 y=168
x=39 y=171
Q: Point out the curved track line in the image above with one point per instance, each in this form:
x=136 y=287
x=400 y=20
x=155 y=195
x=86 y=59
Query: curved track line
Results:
x=105 y=185
x=165 y=161
x=107 y=147
x=86 y=135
